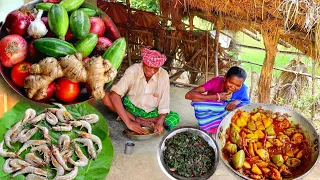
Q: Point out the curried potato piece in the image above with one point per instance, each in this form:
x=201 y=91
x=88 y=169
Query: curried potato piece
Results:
x=251 y=125
x=259 y=145
x=260 y=125
x=245 y=115
x=289 y=152
x=246 y=165
x=261 y=164
x=263 y=154
x=259 y=133
x=265 y=171
x=290 y=131
x=250 y=149
x=230 y=147
x=268 y=144
x=241 y=122
x=255 y=169
x=284 y=170
x=234 y=135
x=283 y=138
x=267 y=122
x=277 y=143
x=275 y=174
x=252 y=137
x=256 y=117
x=300 y=154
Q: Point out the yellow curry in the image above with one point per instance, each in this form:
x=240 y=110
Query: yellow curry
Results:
x=265 y=145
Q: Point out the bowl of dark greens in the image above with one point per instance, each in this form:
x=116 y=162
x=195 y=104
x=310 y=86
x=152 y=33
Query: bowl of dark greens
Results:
x=188 y=153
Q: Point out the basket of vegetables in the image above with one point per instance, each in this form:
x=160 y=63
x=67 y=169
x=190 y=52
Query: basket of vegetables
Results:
x=266 y=141
x=64 y=51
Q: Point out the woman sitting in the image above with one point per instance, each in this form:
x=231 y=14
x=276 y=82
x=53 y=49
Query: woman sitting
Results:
x=213 y=100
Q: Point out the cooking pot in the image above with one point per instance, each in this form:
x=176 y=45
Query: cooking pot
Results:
x=309 y=132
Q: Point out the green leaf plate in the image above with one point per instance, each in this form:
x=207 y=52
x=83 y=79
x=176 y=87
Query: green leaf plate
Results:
x=96 y=169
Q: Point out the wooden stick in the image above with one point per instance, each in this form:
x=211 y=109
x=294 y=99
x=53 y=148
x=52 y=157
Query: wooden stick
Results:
x=262 y=49
x=216 y=50
x=251 y=34
x=207 y=60
x=313 y=110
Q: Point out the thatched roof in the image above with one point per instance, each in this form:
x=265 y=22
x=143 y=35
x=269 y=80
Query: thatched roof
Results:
x=295 y=19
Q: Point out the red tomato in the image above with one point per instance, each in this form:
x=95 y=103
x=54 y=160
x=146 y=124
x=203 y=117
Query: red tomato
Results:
x=97 y=26
x=50 y=90
x=13 y=49
x=19 y=72
x=67 y=90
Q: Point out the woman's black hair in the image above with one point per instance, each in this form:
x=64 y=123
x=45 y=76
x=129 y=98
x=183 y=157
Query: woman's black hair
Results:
x=237 y=71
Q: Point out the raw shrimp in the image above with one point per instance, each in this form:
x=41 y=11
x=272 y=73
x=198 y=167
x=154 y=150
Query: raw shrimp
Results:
x=51 y=118
x=90 y=148
x=37 y=118
x=58 y=167
x=45 y=132
x=70 y=175
x=35 y=177
x=25 y=137
x=33 y=159
x=59 y=158
x=83 y=160
x=4 y=153
x=64 y=142
x=9 y=133
x=94 y=138
x=62 y=114
x=45 y=150
x=31 y=143
x=28 y=115
x=7 y=168
x=64 y=127
x=82 y=123
x=31 y=169
x=17 y=163
x=91 y=118
x=17 y=137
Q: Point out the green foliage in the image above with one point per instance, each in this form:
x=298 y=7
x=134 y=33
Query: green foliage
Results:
x=97 y=169
x=146 y=5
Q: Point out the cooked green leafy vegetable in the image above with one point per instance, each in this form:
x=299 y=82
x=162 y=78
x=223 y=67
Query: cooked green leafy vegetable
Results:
x=96 y=169
x=188 y=154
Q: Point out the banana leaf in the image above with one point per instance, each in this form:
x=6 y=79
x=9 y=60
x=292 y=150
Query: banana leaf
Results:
x=96 y=169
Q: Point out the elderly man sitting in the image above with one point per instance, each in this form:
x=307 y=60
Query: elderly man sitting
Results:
x=141 y=97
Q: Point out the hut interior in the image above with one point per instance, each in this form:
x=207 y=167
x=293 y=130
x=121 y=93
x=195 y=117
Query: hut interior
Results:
x=200 y=53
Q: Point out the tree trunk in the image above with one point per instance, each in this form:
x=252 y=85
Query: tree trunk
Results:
x=270 y=38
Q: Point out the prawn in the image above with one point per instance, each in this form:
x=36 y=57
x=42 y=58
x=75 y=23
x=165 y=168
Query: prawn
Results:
x=64 y=142
x=44 y=150
x=10 y=132
x=33 y=159
x=35 y=177
x=51 y=118
x=4 y=153
x=59 y=158
x=31 y=169
x=58 y=167
x=83 y=160
x=90 y=148
x=94 y=138
x=70 y=175
x=17 y=163
x=29 y=143
x=82 y=123
x=91 y=118
x=25 y=137
x=29 y=114
x=64 y=127
x=37 y=118
x=45 y=132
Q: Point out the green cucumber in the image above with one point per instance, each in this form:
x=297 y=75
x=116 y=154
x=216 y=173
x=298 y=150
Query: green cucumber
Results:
x=86 y=45
x=58 y=20
x=79 y=24
x=44 y=6
x=54 y=47
x=71 y=5
x=88 y=11
x=115 y=52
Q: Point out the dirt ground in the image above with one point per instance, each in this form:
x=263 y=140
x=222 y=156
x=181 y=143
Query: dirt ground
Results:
x=143 y=164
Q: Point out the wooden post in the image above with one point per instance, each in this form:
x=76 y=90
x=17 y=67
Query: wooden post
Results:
x=270 y=38
x=191 y=22
x=313 y=110
x=128 y=32
x=216 y=49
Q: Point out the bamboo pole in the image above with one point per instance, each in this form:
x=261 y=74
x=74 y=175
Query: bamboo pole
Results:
x=128 y=32
x=216 y=51
x=313 y=110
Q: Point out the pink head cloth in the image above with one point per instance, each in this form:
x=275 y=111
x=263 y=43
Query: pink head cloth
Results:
x=152 y=58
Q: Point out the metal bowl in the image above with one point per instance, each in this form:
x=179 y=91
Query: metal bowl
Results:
x=83 y=95
x=130 y=134
x=309 y=131
x=198 y=132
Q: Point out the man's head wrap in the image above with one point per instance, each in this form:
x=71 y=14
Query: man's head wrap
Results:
x=152 y=58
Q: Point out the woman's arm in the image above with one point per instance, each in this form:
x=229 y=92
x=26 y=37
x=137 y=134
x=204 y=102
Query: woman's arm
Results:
x=197 y=95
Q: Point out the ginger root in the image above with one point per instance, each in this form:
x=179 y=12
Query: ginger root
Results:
x=95 y=73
